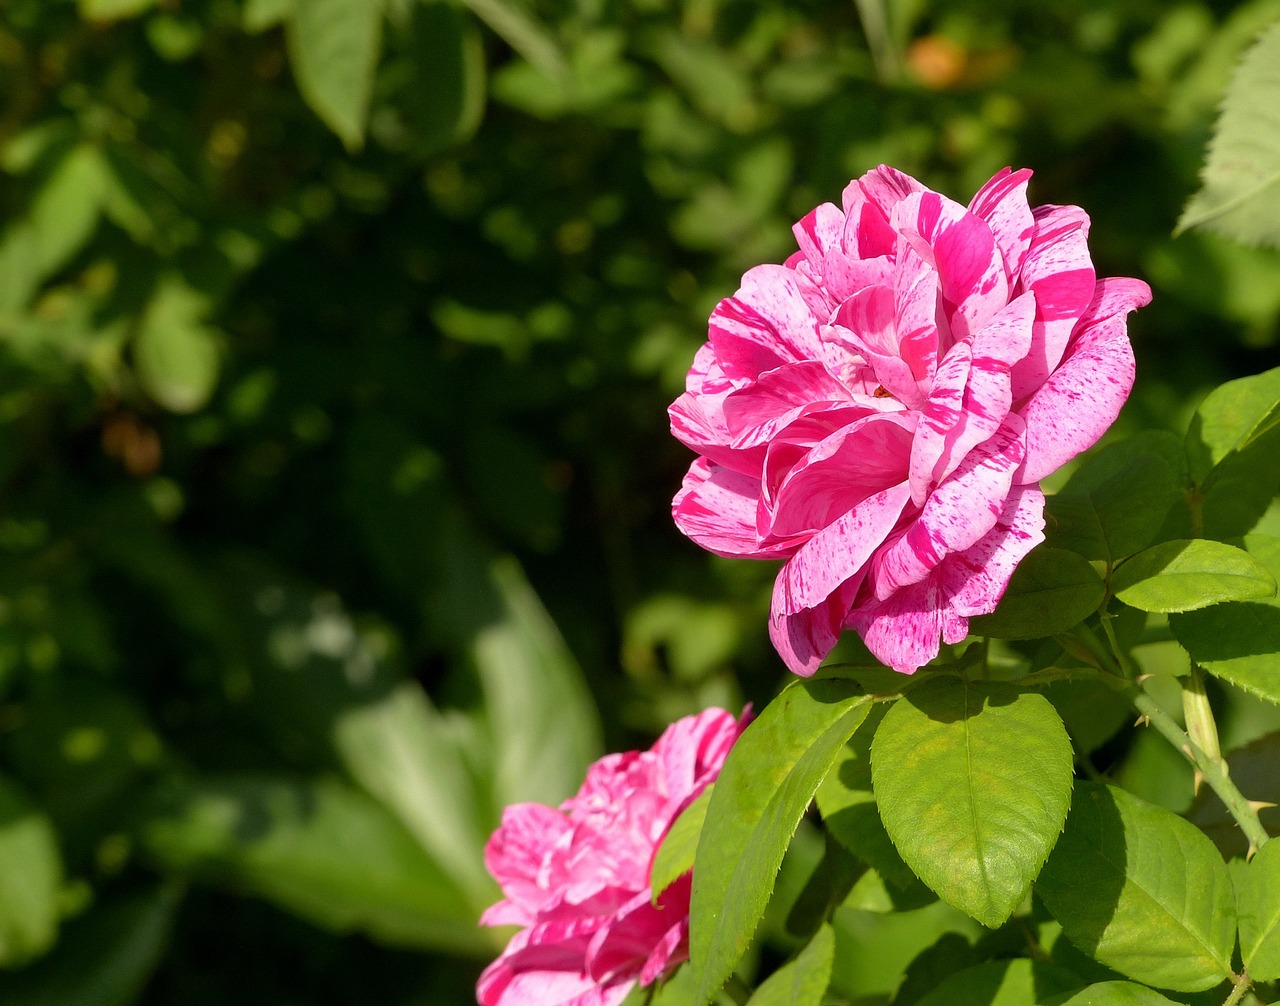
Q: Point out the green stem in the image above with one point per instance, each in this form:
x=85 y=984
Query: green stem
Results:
x=1242 y=985
x=1198 y=714
x=1213 y=770
x=875 y=25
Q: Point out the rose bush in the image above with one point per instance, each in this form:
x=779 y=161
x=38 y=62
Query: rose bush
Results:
x=879 y=410
x=577 y=878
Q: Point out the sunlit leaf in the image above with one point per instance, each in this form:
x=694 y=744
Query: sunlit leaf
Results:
x=1142 y=891
x=30 y=874
x=333 y=48
x=175 y=352
x=1190 y=574
x=1240 y=196
x=763 y=790
x=973 y=782
x=1239 y=641
x=1258 y=902
x=675 y=855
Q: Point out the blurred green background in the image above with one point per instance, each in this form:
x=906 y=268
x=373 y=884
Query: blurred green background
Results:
x=336 y=338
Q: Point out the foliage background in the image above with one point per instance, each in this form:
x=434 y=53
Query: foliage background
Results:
x=335 y=344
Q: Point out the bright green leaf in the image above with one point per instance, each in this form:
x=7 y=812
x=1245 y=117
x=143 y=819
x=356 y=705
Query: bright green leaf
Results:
x=1190 y=574
x=30 y=875
x=65 y=211
x=1142 y=891
x=1052 y=590
x=675 y=855
x=333 y=48
x=259 y=15
x=1240 y=196
x=113 y=10
x=1233 y=450
x=175 y=354
x=317 y=847
x=802 y=981
x=1114 y=503
x=103 y=958
x=1014 y=982
x=848 y=805
x=1115 y=994
x=763 y=790
x=973 y=781
x=1239 y=641
x=1258 y=904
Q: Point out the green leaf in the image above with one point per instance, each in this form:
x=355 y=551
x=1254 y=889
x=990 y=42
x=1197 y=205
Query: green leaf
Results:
x=1240 y=196
x=973 y=781
x=443 y=101
x=525 y=35
x=675 y=855
x=175 y=354
x=103 y=958
x=1142 y=891
x=30 y=875
x=333 y=49
x=113 y=10
x=1115 y=994
x=1189 y=574
x=1258 y=905
x=1001 y=983
x=762 y=792
x=259 y=15
x=848 y=805
x=65 y=211
x=1051 y=591
x=398 y=747
x=802 y=981
x=317 y=847
x=1233 y=450
x=544 y=726
x=1114 y=503
x=1239 y=641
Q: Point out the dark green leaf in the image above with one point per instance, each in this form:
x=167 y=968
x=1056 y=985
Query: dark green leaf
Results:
x=1190 y=574
x=973 y=781
x=102 y=959
x=802 y=981
x=848 y=805
x=1002 y=983
x=675 y=855
x=1142 y=891
x=1114 y=503
x=763 y=790
x=333 y=48
x=1052 y=590
x=30 y=874
x=320 y=849
x=1239 y=641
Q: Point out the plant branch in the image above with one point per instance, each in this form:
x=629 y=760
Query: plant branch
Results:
x=1241 y=985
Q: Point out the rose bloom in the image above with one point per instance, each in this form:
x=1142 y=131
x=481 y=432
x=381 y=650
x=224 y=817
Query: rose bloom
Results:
x=577 y=878
x=879 y=410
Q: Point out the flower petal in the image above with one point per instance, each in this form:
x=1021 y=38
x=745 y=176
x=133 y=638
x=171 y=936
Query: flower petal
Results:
x=976 y=579
x=903 y=630
x=956 y=515
x=1002 y=203
x=941 y=413
x=716 y=507
x=804 y=638
x=766 y=324
x=1059 y=271
x=1082 y=398
x=756 y=413
x=838 y=551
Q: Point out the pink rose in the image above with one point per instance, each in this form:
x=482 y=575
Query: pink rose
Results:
x=879 y=410
x=577 y=879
